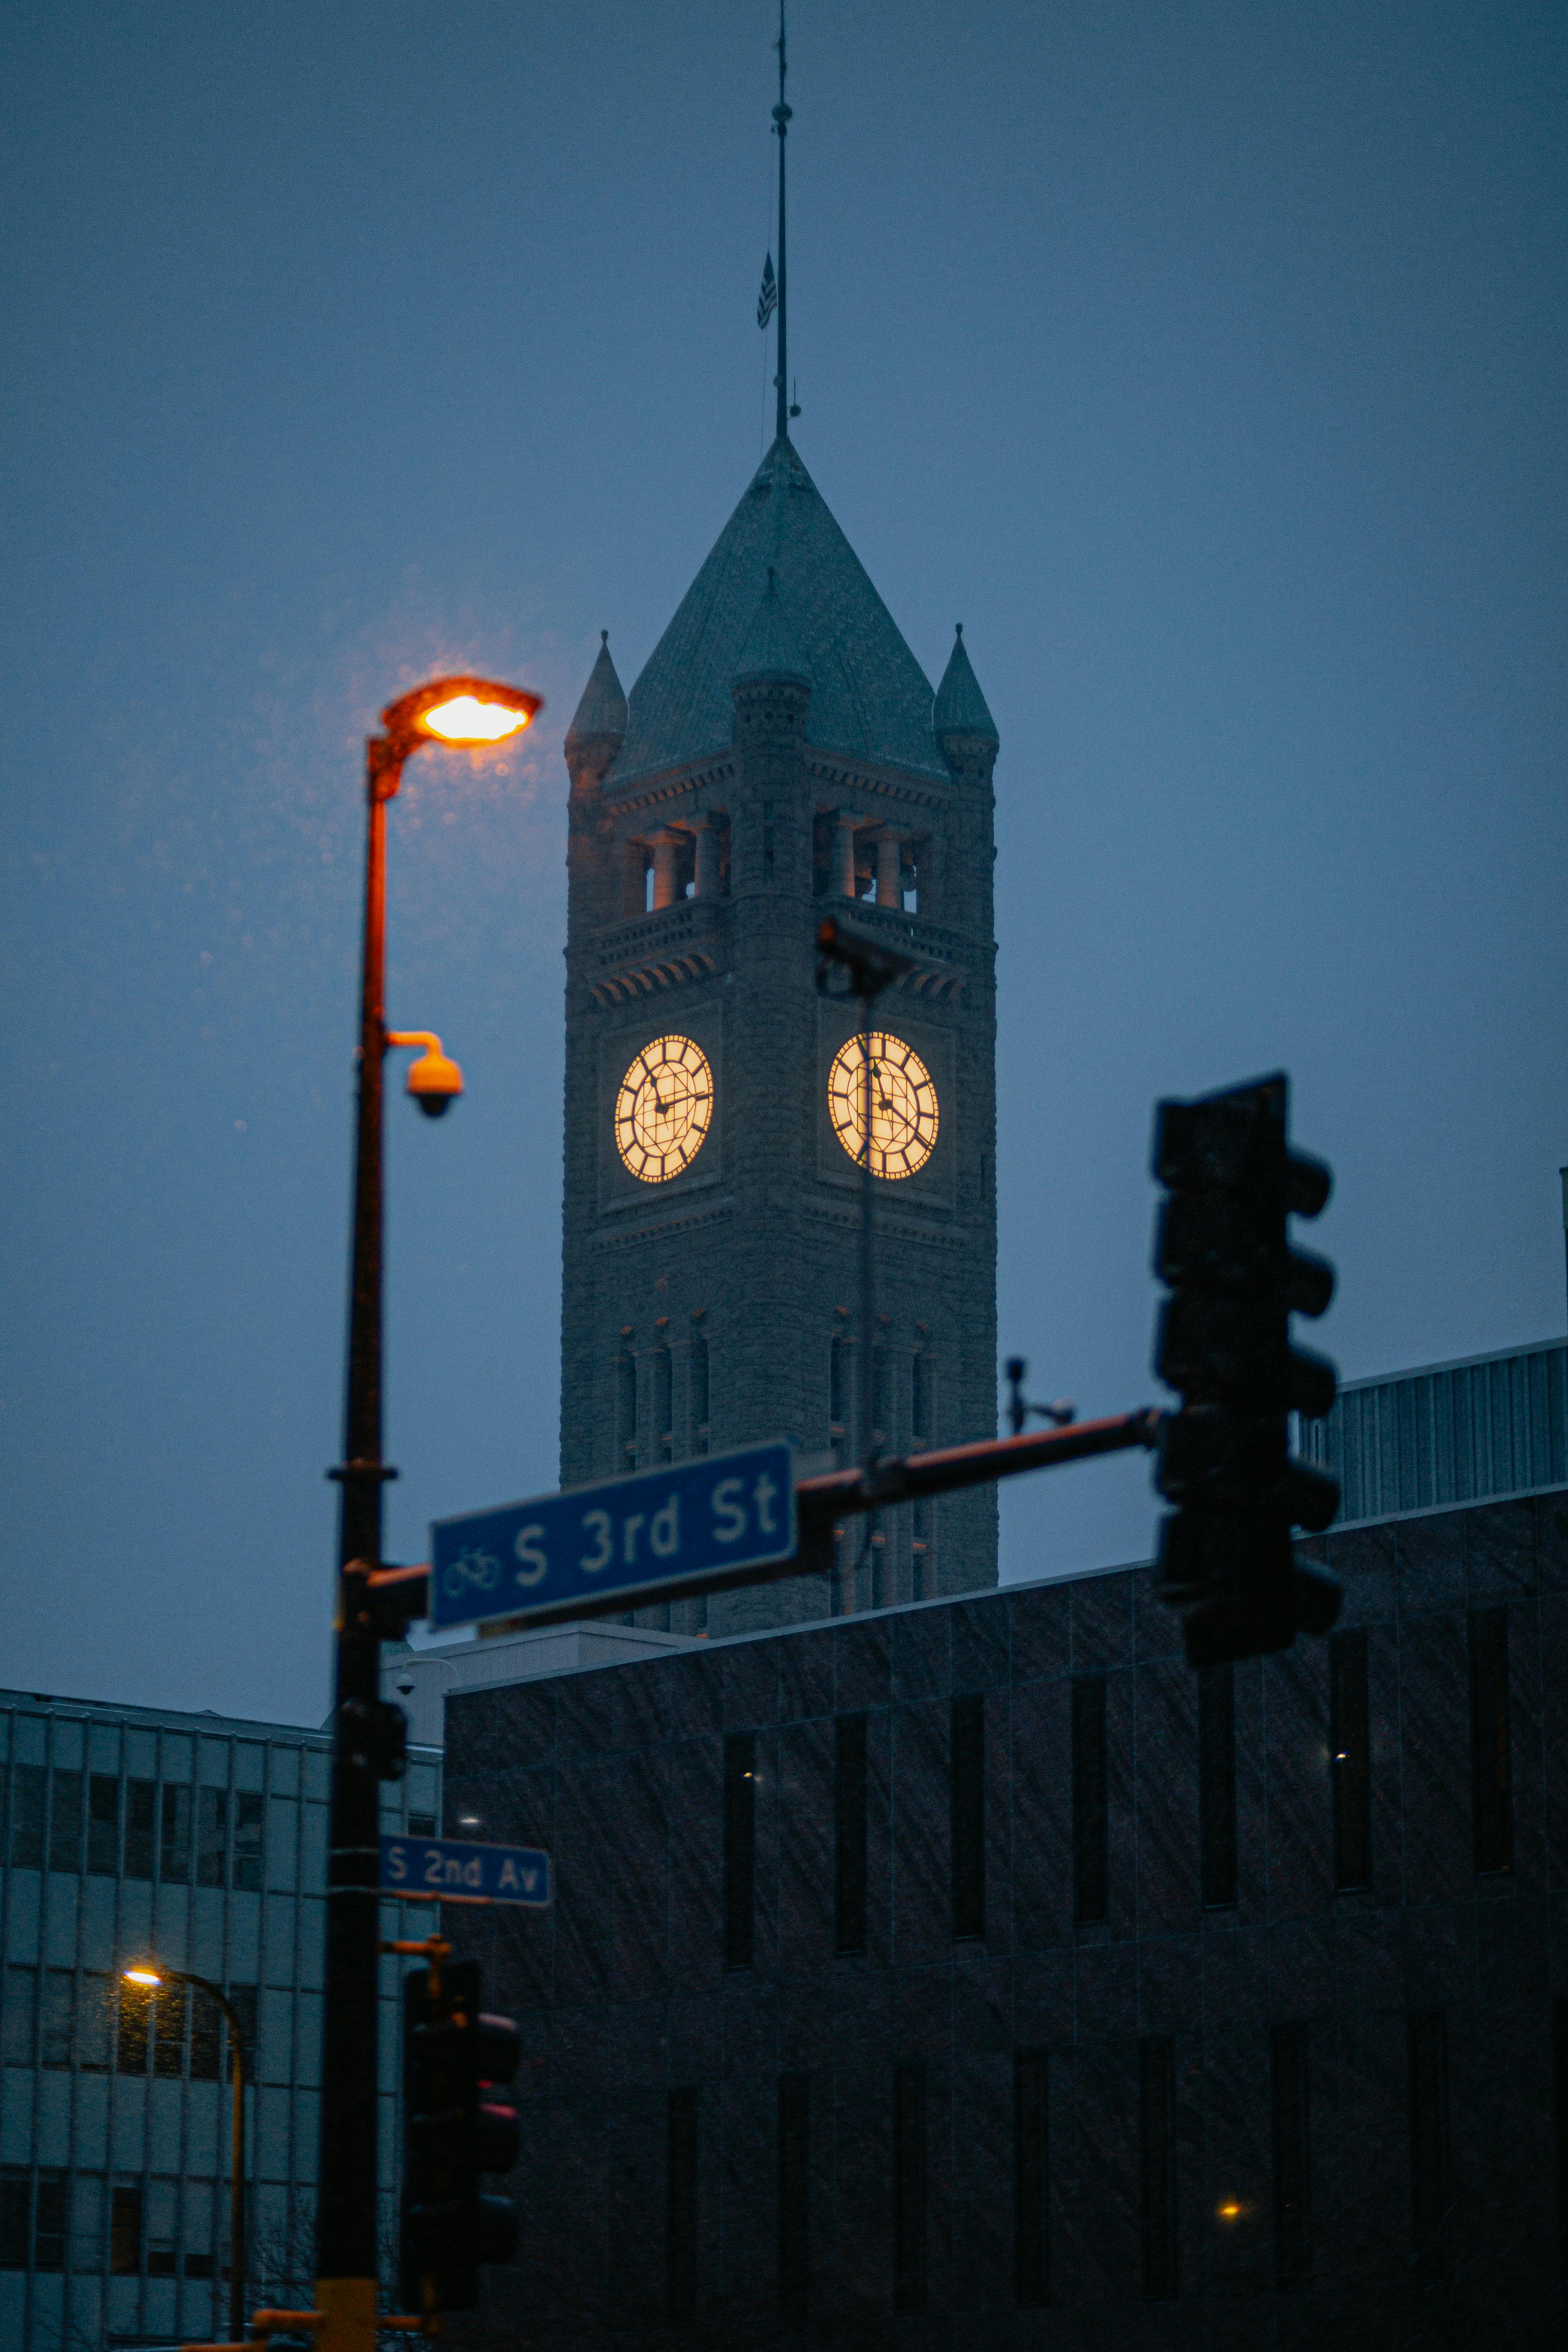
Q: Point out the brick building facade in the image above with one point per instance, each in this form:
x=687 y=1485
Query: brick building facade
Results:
x=973 y=1973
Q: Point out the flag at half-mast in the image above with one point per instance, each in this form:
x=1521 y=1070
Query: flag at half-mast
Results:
x=768 y=294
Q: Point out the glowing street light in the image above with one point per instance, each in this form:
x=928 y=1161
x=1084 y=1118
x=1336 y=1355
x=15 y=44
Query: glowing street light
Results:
x=370 y=1735
x=150 y=1979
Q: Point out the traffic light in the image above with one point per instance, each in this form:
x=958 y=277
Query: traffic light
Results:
x=455 y=2127
x=1223 y=1342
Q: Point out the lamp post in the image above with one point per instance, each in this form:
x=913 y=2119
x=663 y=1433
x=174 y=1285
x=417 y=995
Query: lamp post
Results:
x=151 y=1976
x=368 y=1736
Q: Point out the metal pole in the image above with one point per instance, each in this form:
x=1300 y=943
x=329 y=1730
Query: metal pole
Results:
x=236 y=2183
x=346 y=2211
x=868 y=1264
x=781 y=120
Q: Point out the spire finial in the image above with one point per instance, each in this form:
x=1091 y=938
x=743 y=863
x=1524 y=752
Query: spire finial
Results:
x=603 y=636
x=781 y=125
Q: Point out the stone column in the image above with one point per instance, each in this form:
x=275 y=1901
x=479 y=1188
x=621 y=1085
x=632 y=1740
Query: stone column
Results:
x=666 y=869
x=844 y=858
x=707 y=858
x=890 y=875
x=632 y=888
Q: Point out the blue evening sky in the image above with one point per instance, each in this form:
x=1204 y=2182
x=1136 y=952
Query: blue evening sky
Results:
x=1206 y=360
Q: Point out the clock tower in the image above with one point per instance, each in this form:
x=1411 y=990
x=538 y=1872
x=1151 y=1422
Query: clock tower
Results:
x=781 y=757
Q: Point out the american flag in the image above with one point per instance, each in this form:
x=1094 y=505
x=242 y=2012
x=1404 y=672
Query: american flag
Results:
x=768 y=294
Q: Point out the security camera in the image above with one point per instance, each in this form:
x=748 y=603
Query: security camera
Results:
x=435 y=1081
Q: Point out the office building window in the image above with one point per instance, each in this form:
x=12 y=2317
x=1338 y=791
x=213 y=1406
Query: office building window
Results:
x=174 y=1862
x=15 y=2217
x=1350 y=1751
x=680 y=2263
x=206 y=2037
x=56 y=2017
x=1217 y=1785
x=65 y=1821
x=139 y=1808
x=103 y=1825
x=966 y=1805
x=794 y=2195
x=19 y=2017
x=95 y=2021
x=849 y=1834
x=27 y=1816
x=1292 y=2168
x=212 y=1836
x=1091 y=1810
x=1157 y=2163
x=125 y=2229
x=1490 y=1746
x=247 y=1812
x=242 y=1998
x=169 y=2030
x=909 y=2189
x=1429 y=2141
x=87 y=2190
x=1031 y=2179
x=740 y=1847
x=135 y=2029
x=49 y=2222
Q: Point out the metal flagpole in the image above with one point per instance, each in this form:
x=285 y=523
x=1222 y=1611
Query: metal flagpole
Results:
x=781 y=123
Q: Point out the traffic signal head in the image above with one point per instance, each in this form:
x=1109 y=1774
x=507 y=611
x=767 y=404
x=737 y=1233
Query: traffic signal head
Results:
x=457 y=2124
x=1223 y=1343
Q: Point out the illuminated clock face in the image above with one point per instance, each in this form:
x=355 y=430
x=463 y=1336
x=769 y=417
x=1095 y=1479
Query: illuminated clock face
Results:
x=903 y=1104
x=664 y=1110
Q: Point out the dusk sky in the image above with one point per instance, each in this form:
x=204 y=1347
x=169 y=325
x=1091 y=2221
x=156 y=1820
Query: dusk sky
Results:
x=1207 y=360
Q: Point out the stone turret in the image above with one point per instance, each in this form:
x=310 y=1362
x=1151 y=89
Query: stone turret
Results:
x=598 y=729
x=960 y=721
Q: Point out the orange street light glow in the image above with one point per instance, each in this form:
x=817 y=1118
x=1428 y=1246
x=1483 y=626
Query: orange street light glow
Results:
x=141 y=1976
x=467 y=719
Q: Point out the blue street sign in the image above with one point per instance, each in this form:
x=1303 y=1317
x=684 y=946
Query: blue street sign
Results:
x=454 y=1870
x=639 y=1537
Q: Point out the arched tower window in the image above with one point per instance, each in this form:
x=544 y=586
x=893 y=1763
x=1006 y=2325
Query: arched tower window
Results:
x=882 y=1393
x=923 y=1418
x=626 y=1410
x=663 y=1404
x=699 y=1394
x=838 y=1389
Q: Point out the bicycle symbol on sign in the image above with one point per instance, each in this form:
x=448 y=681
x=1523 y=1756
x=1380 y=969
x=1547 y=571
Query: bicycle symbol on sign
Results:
x=480 y=1569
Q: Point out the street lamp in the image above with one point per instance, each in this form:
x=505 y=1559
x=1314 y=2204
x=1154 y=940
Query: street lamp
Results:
x=151 y=1976
x=369 y=1735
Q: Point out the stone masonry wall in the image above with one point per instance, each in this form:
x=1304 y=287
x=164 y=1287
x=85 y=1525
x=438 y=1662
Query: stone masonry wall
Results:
x=1420 y=2006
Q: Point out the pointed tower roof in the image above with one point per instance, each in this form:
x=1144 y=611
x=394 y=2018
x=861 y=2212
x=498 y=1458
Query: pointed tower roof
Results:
x=961 y=708
x=870 y=697
x=603 y=710
x=773 y=648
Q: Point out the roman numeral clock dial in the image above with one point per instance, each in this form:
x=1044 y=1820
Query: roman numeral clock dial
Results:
x=664 y=1110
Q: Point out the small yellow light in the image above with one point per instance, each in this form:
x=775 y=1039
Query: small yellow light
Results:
x=1230 y=2212
x=467 y=719
x=140 y=1977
